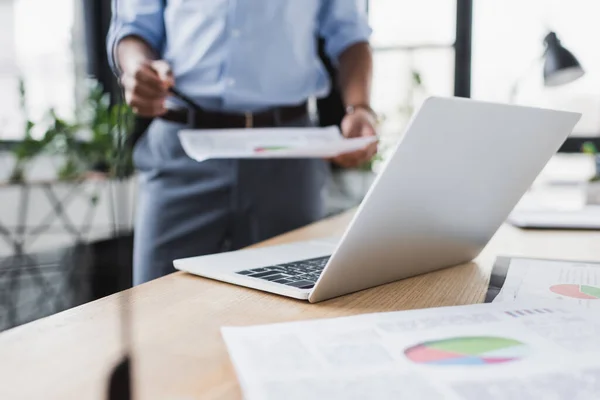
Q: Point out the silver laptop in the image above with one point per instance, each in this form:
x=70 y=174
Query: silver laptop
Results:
x=453 y=179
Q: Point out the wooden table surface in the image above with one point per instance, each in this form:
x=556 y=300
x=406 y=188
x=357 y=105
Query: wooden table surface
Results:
x=178 y=350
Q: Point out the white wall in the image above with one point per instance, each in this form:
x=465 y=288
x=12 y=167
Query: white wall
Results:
x=9 y=105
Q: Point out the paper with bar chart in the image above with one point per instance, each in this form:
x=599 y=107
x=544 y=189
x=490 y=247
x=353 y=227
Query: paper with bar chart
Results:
x=498 y=351
x=575 y=283
x=201 y=145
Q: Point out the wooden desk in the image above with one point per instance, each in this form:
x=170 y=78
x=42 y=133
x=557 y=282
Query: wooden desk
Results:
x=179 y=353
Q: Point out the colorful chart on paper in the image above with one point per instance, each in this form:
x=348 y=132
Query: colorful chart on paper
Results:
x=467 y=351
x=584 y=292
x=265 y=149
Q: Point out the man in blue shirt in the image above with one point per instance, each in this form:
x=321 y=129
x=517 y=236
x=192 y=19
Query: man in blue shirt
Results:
x=245 y=63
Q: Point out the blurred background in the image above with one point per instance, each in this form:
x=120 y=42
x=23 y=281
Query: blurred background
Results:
x=66 y=222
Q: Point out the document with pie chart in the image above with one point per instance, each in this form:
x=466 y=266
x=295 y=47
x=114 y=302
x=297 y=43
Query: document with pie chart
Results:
x=576 y=283
x=467 y=350
x=287 y=142
x=494 y=351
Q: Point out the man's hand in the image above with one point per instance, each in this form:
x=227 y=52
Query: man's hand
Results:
x=147 y=85
x=360 y=123
x=355 y=73
x=146 y=82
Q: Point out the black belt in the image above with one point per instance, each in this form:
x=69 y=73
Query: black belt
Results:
x=202 y=119
x=199 y=118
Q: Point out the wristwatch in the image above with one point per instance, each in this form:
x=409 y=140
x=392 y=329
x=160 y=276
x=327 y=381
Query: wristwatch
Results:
x=351 y=109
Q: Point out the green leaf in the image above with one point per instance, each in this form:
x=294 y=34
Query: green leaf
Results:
x=589 y=148
x=416 y=77
x=70 y=170
x=94 y=199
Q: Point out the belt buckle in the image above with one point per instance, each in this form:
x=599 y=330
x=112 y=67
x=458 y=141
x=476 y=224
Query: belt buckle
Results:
x=249 y=119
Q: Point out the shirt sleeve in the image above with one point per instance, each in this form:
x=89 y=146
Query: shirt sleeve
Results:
x=342 y=24
x=143 y=18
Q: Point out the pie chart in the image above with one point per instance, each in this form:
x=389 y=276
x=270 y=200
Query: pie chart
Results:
x=467 y=351
x=575 y=291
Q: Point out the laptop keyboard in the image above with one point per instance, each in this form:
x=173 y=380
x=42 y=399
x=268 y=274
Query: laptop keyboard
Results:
x=300 y=274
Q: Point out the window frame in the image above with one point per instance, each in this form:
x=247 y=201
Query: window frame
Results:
x=463 y=47
x=573 y=143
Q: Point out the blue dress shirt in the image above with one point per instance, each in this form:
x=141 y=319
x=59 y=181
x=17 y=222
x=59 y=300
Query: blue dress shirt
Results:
x=243 y=55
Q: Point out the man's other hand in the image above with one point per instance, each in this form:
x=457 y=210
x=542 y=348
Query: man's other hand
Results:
x=360 y=123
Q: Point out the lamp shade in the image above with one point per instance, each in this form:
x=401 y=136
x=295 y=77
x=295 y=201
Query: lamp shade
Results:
x=560 y=65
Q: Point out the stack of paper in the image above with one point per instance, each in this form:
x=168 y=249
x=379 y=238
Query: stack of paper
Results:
x=539 y=339
x=202 y=145
x=516 y=351
x=573 y=283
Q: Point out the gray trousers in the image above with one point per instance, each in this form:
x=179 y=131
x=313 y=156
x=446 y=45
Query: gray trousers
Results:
x=188 y=209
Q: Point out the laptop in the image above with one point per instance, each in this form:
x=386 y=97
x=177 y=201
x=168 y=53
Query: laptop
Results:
x=454 y=177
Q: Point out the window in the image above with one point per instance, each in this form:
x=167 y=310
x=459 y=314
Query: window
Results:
x=410 y=37
x=38 y=47
x=9 y=105
x=508 y=40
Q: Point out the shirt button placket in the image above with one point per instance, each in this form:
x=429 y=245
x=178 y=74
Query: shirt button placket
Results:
x=230 y=81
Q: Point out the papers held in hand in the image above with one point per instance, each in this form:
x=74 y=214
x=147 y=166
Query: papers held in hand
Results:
x=202 y=145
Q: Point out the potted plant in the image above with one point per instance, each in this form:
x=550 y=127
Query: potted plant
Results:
x=105 y=122
x=593 y=186
x=86 y=147
x=90 y=146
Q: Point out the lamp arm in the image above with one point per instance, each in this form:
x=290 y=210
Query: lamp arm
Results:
x=514 y=88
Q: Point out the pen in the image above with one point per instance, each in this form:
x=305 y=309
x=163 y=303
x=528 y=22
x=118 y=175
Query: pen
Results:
x=175 y=92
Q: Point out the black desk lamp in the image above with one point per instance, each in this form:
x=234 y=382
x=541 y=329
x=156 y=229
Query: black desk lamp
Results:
x=560 y=66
